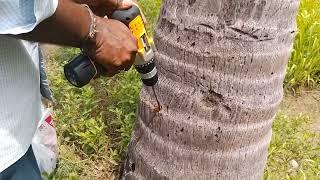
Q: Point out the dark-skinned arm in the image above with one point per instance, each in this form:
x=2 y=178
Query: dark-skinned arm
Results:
x=114 y=46
x=69 y=25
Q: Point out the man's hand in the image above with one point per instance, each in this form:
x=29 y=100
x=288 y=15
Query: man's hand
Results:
x=115 y=46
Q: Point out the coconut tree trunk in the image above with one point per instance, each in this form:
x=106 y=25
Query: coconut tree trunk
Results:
x=222 y=65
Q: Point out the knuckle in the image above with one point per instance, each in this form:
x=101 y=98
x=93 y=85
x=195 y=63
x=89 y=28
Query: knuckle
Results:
x=133 y=48
x=117 y=63
x=134 y=39
x=127 y=57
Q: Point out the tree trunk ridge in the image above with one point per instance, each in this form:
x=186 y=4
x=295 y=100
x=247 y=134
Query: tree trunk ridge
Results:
x=222 y=65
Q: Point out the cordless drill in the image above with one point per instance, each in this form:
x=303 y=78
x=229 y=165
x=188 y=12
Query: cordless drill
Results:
x=81 y=70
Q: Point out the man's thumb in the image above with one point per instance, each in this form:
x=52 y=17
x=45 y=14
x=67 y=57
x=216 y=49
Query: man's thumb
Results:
x=125 y=4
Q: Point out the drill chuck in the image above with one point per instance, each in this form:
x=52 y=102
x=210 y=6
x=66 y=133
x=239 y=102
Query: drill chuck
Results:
x=148 y=73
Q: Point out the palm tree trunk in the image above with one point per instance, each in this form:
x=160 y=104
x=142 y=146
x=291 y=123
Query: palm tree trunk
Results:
x=222 y=65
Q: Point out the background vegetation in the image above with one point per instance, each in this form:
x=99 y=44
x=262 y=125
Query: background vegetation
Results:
x=94 y=123
x=304 y=64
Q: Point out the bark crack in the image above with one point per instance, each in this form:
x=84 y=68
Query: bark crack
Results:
x=206 y=25
x=251 y=37
x=244 y=33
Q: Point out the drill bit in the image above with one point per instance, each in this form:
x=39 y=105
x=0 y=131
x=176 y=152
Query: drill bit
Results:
x=158 y=107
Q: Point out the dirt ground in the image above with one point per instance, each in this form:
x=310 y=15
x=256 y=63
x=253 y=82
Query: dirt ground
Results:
x=307 y=102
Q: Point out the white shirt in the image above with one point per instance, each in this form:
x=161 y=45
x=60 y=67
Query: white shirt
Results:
x=20 y=99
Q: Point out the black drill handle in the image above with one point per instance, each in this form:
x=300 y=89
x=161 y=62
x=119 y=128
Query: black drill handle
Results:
x=81 y=70
x=126 y=15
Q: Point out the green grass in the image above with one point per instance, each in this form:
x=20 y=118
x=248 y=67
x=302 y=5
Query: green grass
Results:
x=94 y=123
x=293 y=142
x=304 y=64
x=150 y=9
x=80 y=123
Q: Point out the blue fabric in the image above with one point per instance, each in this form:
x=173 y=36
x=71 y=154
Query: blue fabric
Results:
x=26 y=168
x=44 y=84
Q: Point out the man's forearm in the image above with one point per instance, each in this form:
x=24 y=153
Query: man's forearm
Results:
x=69 y=25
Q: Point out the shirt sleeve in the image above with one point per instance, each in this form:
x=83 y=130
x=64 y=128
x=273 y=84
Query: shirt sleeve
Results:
x=22 y=16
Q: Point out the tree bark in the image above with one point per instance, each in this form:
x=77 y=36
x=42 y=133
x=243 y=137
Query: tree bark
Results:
x=222 y=64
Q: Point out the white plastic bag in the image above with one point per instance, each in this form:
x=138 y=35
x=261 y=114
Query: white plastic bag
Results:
x=45 y=144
